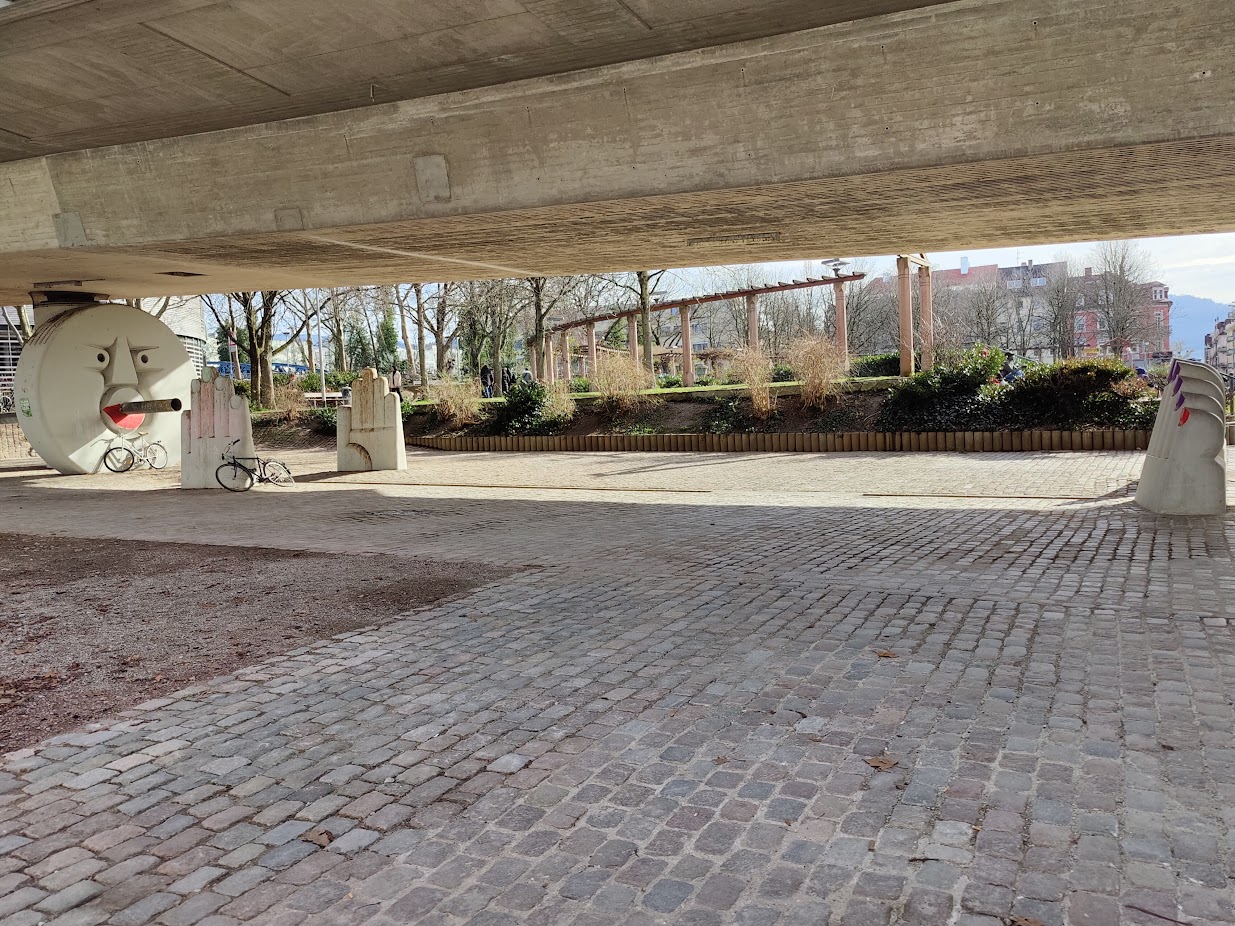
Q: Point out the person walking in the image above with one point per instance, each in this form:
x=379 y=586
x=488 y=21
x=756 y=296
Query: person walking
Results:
x=396 y=383
x=486 y=381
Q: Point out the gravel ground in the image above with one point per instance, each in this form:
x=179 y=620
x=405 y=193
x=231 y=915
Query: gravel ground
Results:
x=89 y=628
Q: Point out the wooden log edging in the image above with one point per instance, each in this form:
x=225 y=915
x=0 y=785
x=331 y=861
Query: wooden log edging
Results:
x=805 y=442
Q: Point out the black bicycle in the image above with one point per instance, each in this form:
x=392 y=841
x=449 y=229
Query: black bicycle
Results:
x=239 y=474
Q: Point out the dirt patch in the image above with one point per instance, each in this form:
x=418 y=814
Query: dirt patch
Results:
x=91 y=627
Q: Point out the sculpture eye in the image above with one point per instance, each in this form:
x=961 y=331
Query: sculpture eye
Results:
x=102 y=358
x=143 y=359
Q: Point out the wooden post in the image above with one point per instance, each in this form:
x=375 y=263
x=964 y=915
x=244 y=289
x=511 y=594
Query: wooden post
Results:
x=632 y=336
x=927 y=319
x=688 y=357
x=906 y=315
x=842 y=326
x=549 y=361
x=752 y=321
x=567 y=371
x=591 y=349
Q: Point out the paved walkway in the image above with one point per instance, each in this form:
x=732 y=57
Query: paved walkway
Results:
x=721 y=690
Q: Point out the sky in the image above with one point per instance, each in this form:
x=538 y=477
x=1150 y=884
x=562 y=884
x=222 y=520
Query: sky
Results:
x=1195 y=265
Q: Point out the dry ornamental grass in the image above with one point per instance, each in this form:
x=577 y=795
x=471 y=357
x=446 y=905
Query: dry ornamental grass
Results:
x=752 y=367
x=457 y=403
x=620 y=380
x=817 y=363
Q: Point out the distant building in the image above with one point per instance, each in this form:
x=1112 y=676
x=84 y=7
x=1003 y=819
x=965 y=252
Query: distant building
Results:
x=1220 y=345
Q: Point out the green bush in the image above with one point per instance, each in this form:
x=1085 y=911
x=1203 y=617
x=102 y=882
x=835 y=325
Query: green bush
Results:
x=946 y=398
x=734 y=415
x=968 y=396
x=337 y=379
x=320 y=420
x=837 y=418
x=580 y=384
x=241 y=386
x=705 y=381
x=671 y=382
x=1072 y=394
x=524 y=412
x=875 y=365
x=783 y=374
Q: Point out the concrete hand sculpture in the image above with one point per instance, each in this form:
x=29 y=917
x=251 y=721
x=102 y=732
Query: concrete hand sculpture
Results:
x=1185 y=467
x=216 y=418
x=86 y=361
x=370 y=430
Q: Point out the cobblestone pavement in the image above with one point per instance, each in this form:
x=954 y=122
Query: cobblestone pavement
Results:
x=763 y=690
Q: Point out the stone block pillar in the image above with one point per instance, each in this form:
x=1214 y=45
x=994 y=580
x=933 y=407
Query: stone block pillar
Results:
x=591 y=349
x=550 y=362
x=688 y=356
x=370 y=430
x=216 y=417
x=632 y=336
x=905 y=291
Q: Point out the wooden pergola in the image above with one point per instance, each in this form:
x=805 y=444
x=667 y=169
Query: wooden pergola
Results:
x=750 y=294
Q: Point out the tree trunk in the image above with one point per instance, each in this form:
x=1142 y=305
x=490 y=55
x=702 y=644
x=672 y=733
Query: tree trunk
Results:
x=538 y=326
x=498 y=338
x=645 y=319
x=420 y=333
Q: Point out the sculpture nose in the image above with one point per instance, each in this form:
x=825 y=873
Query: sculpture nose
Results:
x=120 y=372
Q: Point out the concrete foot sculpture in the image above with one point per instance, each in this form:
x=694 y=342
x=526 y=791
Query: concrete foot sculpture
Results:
x=1185 y=467
x=370 y=431
x=216 y=419
x=95 y=374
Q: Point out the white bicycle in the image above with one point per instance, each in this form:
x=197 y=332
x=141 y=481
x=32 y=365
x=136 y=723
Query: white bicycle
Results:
x=122 y=455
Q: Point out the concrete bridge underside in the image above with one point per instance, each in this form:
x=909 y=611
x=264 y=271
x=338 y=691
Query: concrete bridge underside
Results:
x=967 y=124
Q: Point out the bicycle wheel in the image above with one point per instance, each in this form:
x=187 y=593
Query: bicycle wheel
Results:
x=156 y=455
x=234 y=477
x=279 y=474
x=119 y=459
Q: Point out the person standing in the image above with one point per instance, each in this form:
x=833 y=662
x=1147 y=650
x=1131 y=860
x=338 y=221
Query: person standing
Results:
x=396 y=383
x=486 y=381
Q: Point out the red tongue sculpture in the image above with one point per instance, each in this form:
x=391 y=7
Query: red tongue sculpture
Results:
x=128 y=421
x=130 y=415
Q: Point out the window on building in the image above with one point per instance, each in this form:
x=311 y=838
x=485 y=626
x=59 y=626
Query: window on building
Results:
x=1014 y=284
x=1101 y=324
x=1159 y=294
x=1039 y=281
x=1158 y=316
x=1079 y=323
x=1080 y=302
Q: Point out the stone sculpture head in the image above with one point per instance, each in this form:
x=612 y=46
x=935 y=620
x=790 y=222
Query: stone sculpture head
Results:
x=90 y=358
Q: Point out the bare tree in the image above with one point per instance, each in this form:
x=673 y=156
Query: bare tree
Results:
x=1118 y=293
x=256 y=313
x=1059 y=304
x=442 y=318
x=545 y=296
